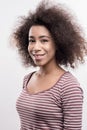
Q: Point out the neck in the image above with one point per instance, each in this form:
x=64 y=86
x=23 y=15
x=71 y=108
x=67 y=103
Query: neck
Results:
x=49 y=69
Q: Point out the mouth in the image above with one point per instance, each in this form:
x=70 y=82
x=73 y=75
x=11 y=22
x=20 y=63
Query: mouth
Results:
x=38 y=56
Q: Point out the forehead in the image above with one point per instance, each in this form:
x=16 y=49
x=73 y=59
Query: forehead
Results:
x=37 y=30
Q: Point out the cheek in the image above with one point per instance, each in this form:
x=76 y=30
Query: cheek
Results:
x=52 y=49
x=29 y=49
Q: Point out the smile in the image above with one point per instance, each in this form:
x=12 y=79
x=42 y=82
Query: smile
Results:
x=38 y=56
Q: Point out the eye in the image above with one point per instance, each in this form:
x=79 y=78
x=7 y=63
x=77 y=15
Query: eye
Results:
x=44 y=40
x=31 y=41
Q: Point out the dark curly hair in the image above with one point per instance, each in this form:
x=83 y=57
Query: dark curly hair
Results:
x=69 y=40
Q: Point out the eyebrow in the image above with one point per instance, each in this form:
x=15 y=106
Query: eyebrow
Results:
x=43 y=36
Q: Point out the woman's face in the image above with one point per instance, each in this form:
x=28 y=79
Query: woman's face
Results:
x=41 y=45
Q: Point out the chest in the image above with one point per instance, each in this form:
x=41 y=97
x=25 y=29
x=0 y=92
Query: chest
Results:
x=45 y=105
x=36 y=85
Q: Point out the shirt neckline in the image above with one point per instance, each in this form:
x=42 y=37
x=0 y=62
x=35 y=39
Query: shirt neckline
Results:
x=37 y=93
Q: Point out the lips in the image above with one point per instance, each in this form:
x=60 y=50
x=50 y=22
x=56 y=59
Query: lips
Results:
x=38 y=56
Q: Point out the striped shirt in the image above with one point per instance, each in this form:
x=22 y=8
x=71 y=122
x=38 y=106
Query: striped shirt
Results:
x=58 y=108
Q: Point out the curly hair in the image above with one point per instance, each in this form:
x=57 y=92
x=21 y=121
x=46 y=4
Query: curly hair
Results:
x=70 y=43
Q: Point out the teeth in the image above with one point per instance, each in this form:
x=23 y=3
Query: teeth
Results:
x=38 y=54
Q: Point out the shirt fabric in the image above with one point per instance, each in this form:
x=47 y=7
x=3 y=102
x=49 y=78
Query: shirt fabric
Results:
x=58 y=108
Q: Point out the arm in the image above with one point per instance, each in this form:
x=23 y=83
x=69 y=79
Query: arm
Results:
x=72 y=100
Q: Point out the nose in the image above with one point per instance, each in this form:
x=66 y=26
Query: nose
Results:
x=37 y=46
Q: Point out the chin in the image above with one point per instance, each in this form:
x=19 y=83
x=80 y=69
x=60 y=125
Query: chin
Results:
x=40 y=64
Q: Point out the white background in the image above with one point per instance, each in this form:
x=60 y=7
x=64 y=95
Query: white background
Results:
x=11 y=69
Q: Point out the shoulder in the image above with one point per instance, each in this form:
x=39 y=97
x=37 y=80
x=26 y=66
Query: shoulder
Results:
x=70 y=84
x=69 y=78
x=26 y=79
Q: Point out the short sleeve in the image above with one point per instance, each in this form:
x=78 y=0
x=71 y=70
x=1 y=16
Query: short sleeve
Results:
x=72 y=101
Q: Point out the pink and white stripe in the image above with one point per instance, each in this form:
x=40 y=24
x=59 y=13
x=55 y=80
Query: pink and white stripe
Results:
x=58 y=108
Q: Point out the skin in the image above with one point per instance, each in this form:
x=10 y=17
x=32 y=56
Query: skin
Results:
x=42 y=50
x=41 y=46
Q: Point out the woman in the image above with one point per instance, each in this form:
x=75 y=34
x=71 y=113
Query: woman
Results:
x=51 y=98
